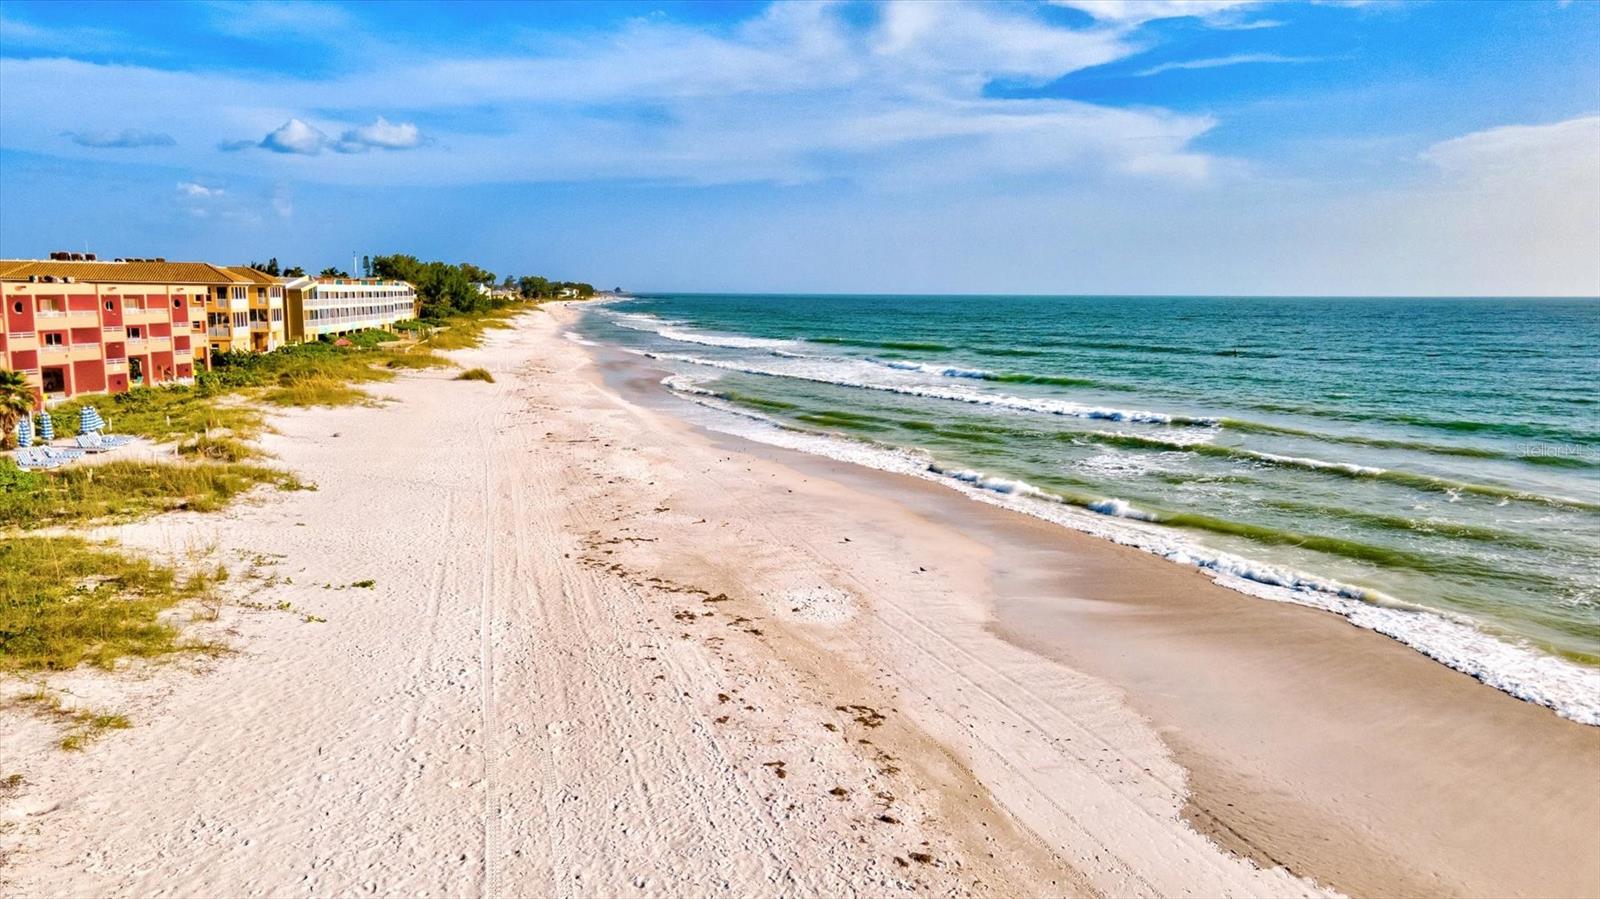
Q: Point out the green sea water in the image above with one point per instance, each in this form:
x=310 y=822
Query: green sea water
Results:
x=1438 y=456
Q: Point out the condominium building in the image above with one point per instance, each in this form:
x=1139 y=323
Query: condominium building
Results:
x=247 y=316
x=317 y=307
x=82 y=325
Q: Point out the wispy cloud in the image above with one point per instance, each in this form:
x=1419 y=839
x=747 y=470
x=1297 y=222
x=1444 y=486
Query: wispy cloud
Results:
x=198 y=190
x=865 y=98
x=1131 y=13
x=121 y=140
x=268 y=20
x=1218 y=62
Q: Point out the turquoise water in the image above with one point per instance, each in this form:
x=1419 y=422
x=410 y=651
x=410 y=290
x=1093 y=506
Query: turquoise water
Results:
x=1423 y=455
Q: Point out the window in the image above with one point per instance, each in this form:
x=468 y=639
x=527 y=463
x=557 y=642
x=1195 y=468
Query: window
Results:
x=135 y=333
x=54 y=338
x=239 y=293
x=111 y=306
x=17 y=307
x=177 y=302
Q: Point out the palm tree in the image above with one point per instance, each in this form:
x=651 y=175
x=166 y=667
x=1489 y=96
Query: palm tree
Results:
x=16 y=400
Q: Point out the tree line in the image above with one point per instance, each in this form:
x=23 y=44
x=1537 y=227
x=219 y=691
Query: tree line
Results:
x=445 y=288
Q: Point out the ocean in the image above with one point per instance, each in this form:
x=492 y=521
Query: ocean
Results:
x=1428 y=468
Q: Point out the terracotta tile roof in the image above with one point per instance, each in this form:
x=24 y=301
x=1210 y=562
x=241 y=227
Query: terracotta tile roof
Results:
x=255 y=276
x=121 y=272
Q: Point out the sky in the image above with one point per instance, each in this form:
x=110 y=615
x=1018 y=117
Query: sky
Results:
x=1059 y=147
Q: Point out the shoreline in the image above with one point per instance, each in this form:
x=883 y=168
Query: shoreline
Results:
x=1502 y=659
x=1269 y=767
x=608 y=652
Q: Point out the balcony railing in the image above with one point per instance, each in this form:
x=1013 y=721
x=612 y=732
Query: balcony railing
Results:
x=21 y=335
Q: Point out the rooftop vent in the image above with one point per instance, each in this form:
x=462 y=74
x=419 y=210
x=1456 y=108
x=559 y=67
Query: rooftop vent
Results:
x=90 y=257
x=60 y=256
x=161 y=259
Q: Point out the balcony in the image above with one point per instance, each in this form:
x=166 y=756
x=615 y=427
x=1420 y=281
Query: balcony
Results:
x=160 y=343
x=136 y=344
x=54 y=353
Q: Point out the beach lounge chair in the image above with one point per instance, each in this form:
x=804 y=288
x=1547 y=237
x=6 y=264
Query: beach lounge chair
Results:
x=93 y=443
x=33 y=459
x=63 y=454
x=92 y=426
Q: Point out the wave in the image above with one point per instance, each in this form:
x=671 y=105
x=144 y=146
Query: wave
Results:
x=1451 y=425
x=1039 y=405
x=1428 y=483
x=1569 y=689
x=911 y=345
x=1542 y=457
x=673 y=330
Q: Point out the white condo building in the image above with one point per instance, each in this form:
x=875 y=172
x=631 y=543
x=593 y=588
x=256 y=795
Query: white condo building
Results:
x=328 y=306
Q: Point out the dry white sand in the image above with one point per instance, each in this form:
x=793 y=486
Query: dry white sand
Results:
x=603 y=655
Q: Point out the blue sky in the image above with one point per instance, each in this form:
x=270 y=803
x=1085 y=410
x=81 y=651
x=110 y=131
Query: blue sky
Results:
x=1078 y=146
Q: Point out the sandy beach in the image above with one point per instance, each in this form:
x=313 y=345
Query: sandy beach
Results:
x=606 y=653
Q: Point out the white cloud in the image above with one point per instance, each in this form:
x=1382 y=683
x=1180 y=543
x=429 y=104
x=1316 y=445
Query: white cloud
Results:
x=1131 y=13
x=1217 y=62
x=1562 y=152
x=295 y=136
x=381 y=134
x=198 y=190
x=801 y=92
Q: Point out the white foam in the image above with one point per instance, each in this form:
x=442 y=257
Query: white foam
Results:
x=934 y=368
x=837 y=372
x=1569 y=689
x=1304 y=462
x=674 y=330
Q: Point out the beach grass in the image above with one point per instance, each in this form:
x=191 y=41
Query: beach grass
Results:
x=476 y=374
x=123 y=490
x=83 y=726
x=164 y=413
x=218 y=448
x=66 y=601
x=465 y=330
x=224 y=407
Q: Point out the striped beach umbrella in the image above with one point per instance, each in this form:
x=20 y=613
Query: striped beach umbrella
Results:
x=25 y=431
x=47 y=428
x=89 y=420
